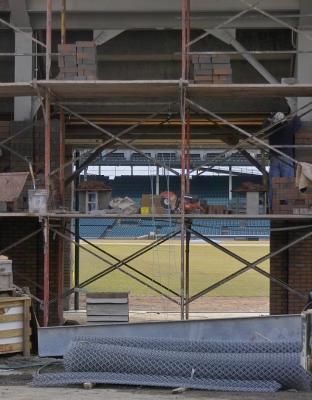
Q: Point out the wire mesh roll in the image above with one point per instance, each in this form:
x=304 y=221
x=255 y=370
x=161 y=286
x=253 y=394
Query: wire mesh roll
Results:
x=284 y=368
x=195 y=346
x=72 y=378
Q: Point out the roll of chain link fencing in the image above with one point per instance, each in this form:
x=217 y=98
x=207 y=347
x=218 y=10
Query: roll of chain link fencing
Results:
x=227 y=366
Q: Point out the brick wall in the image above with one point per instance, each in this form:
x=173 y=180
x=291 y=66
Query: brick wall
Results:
x=27 y=259
x=293 y=266
x=5 y=157
x=279 y=269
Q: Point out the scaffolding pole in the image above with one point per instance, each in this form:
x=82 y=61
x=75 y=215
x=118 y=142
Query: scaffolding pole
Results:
x=60 y=269
x=47 y=169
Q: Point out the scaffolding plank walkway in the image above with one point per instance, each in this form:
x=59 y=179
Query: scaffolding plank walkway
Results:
x=149 y=88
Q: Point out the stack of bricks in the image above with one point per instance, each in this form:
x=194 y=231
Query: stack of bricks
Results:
x=287 y=199
x=304 y=137
x=77 y=61
x=212 y=69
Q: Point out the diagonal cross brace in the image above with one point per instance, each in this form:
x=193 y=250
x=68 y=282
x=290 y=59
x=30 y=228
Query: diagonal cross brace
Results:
x=226 y=22
x=248 y=266
x=116 y=266
x=125 y=264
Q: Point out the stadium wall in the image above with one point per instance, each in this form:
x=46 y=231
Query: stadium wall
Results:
x=293 y=266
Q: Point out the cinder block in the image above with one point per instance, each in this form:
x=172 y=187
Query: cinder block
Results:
x=220 y=59
x=204 y=59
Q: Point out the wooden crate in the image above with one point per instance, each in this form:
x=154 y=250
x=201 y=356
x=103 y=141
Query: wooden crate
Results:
x=6 y=275
x=15 y=328
x=107 y=307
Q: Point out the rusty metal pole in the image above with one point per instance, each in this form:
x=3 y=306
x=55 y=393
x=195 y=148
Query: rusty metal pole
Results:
x=62 y=115
x=46 y=271
x=187 y=163
x=60 y=272
x=185 y=68
x=47 y=167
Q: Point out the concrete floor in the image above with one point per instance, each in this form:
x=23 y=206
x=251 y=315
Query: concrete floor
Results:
x=27 y=393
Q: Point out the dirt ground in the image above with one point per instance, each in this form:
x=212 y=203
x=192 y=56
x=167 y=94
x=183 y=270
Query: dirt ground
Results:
x=15 y=385
x=156 y=308
x=204 y=304
x=27 y=393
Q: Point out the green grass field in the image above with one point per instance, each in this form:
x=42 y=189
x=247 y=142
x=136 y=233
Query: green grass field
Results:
x=207 y=266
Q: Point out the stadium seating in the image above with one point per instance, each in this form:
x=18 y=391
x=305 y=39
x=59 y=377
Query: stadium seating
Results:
x=214 y=189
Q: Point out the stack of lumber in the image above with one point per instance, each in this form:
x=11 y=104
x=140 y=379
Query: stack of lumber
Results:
x=212 y=69
x=107 y=308
x=77 y=61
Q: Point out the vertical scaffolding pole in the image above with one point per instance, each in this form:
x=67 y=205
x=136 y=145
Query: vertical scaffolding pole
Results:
x=46 y=271
x=184 y=148
x=47 y=169
x=62 y=116
x=77 y=237
x=60 y=271
x=187 y=269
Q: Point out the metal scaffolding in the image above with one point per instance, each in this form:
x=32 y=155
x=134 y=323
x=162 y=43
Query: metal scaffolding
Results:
x=181 y=91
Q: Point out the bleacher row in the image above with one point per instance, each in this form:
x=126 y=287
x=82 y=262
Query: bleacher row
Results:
x=119 y=158
x=211 y=188
x=92 y=228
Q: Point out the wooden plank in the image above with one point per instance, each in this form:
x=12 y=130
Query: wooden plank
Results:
x=11 y=318
x=106 y=318
x=26 y=328
x=107 y=309
x=11 y=333
x=11 y=348
x=107 y=301
x=107 y=295
x=150 y=88
x=13 y=300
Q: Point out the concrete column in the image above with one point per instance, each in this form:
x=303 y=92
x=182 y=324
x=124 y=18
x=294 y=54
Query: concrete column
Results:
x=23 y=73
x=157 y=181
x=230 y=183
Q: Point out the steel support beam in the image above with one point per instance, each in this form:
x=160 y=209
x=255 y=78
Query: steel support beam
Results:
x=103 y=36
x=224 y=23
